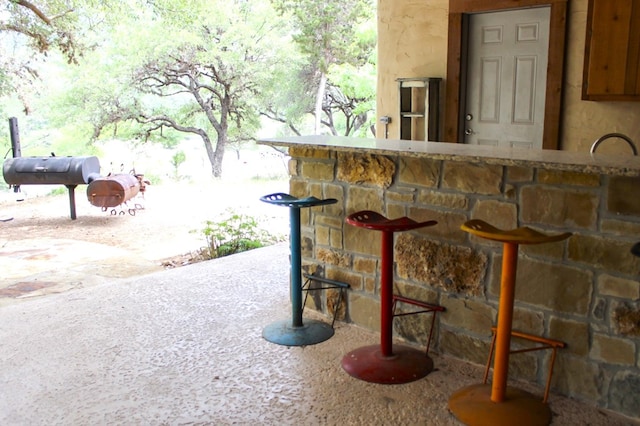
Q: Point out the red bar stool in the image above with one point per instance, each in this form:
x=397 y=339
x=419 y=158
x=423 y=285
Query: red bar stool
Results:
x=385 y=363
x=497 y=404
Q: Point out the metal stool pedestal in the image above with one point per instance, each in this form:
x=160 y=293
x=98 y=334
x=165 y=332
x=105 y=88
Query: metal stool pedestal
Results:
x=385 y=363
x=498 y=404
x=294 y=332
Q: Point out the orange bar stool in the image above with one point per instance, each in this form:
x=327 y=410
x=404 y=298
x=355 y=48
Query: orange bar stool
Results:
x=385 y=363
x=498 y=404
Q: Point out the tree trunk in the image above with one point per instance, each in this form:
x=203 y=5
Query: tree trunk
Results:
x=319 y=98
x=216 y=155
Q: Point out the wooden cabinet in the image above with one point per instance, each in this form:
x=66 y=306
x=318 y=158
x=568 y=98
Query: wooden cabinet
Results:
x=612 y=51
x=420 y=108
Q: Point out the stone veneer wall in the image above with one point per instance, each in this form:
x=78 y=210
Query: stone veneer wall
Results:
x=584 y=291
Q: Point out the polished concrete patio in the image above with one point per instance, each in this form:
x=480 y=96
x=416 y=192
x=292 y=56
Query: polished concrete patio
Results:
x=184 y=346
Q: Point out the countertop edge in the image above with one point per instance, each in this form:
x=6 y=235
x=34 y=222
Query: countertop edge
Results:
x=613 y=165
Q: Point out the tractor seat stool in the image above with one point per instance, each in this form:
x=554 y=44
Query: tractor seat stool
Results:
x=295 y=332
x=385 y=363
x=497 y=404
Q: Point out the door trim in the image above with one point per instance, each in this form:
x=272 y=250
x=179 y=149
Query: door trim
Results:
x=456 y=66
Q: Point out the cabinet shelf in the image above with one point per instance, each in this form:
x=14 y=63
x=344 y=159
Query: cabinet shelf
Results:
x=419 y=108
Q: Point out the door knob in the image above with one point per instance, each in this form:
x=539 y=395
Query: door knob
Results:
x=468 y=132
x=468 y=117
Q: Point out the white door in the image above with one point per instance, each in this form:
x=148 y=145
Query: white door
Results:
x=507 y=73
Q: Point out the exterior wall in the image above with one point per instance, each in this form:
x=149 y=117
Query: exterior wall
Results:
x=412 y=42
x=583 y=291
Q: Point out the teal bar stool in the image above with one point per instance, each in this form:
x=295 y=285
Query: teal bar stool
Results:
x=295 y=332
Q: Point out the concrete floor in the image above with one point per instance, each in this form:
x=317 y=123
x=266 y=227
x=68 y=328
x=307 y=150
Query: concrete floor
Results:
x=184 y=346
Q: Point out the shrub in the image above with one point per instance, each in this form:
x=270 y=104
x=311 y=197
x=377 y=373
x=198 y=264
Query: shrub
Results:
x=235 y=234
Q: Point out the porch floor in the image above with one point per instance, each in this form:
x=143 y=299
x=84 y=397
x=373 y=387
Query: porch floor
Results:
x=184 y=346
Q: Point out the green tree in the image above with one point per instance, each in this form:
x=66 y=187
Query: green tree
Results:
x=197 y=67
x=327 y=33
x=349 y=99
x=31 y=31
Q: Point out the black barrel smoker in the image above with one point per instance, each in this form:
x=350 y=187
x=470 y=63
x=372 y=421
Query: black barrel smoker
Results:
x=67 y=171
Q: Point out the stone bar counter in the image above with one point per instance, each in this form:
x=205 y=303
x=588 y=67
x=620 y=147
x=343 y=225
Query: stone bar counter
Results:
x=584 y=291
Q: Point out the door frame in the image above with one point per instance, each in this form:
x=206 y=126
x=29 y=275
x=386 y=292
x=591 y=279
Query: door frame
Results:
x=459 y=11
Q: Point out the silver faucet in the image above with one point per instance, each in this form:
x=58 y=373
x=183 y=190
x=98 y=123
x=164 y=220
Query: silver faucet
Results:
x=614 y=135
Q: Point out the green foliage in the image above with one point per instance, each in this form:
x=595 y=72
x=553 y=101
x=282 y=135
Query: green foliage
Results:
x=235 y=234
x=326 y=30
x=135 y=64
x=176 y=161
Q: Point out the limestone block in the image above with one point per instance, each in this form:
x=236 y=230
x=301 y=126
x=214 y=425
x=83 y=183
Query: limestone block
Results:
x=624 y=393
x=333 y=257
x=609 y=285
x=503 y=215
x=365 y=265
x=612 y=350
x=332 y=298
x=334 y=191
x=304 y=152
x=406 y=196
x=335 y=238
x=419 y=171
x=559 y=207
x=472 y=178
x=464 y=346
x=576 y=376
x=322 y=235
x=575 y=334
x=414 y=291
x=619 y=227
x=345 y=276
x=298 y=187
x=328 y=220
x=528 y=321
x=370 y=285
x=292 y=167
x=362 y=241
x=453 y=268
x=603 y=254
x=306 y=246
x=476 y=317
x=365 y=198
x=395 y=210
x=317 y=170
x=443 y=199
x=523 y=366
x=549 y=251
x=414 y=328
x=599 y=309
x=550 y=286
x=448 y=226
x=364 y=311
x=510 y=191
x=622 y=195
x=519 y=174
x=368 y=169
x=568 y=178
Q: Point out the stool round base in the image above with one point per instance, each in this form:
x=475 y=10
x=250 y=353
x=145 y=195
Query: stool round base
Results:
x=405 y=365
x=472 y=405
x=311 y=332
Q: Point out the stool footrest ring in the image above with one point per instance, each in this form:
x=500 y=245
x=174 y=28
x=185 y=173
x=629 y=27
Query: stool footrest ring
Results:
x=428 y=308
x=330 y=285
x=544 y=342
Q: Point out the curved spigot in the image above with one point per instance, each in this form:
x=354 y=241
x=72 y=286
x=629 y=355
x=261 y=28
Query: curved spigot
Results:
x=614 y=135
